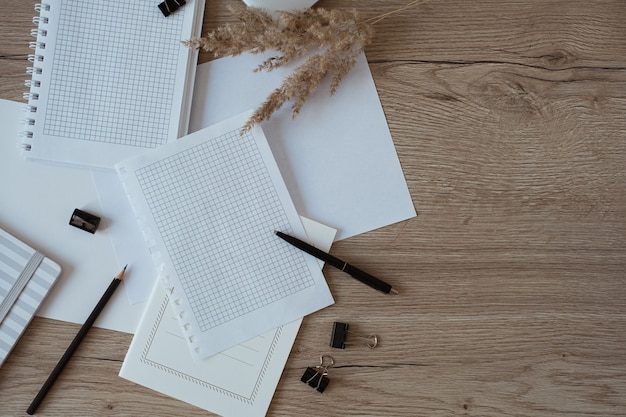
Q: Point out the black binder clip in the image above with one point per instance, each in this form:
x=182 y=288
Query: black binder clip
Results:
x=318 y=377
x=340 y=334
x=85 y=221
x=170 y=6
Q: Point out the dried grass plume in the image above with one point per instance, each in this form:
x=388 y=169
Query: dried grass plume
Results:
x=337 y=36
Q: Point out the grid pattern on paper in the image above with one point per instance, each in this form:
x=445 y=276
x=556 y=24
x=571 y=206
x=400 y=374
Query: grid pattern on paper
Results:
x=114 y=72
x=216 y=209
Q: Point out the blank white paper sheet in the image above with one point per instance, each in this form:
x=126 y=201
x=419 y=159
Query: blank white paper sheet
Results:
x=337 y=156
x=36 y=205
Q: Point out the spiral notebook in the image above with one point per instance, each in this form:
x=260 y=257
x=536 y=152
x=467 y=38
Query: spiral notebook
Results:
x=26 y=277
x=228 y=276
x=109 y=79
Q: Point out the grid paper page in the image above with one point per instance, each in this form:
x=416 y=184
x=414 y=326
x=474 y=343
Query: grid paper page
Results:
x=96 y=81
x=212 y=202
x=232 y=213
x=103 y=78
x=115 y=79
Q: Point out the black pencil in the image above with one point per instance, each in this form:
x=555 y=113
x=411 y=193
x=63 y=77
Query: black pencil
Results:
x=352 y=270
x=74 y=345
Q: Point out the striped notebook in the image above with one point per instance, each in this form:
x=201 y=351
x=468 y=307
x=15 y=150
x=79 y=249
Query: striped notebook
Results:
x=26 y=277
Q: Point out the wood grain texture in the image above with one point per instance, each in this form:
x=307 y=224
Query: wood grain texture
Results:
x=509 y=121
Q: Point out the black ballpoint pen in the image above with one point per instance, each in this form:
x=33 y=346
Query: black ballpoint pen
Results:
x=355 y=272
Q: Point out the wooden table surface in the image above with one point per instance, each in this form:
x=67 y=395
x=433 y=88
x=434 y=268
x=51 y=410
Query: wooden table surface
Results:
x=509 y=118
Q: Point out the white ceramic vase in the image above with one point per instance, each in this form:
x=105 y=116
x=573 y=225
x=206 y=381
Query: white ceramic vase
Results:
x=273 y=5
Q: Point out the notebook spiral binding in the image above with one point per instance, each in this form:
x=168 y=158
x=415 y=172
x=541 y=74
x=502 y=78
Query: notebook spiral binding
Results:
x=35 y=72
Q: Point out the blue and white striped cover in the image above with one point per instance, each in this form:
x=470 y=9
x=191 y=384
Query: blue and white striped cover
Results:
x=26 y=277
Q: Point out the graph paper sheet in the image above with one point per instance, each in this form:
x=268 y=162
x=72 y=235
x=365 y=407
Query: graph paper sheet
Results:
x=111 y=79
x=209 y=205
